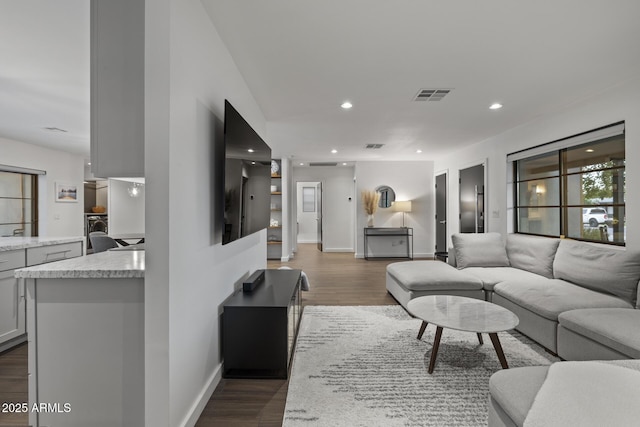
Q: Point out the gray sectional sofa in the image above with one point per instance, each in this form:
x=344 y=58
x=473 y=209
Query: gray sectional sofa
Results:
x=579 y=300
x=576 y=299
x=582 y=393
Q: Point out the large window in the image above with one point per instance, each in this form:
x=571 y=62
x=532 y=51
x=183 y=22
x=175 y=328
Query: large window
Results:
x=18 y=204
x=574 y=189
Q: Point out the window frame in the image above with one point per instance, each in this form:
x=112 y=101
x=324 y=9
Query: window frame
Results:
x=33 y=219
x=563 y=175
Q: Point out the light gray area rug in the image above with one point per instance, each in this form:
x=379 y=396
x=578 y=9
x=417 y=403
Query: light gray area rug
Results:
x=363 y=366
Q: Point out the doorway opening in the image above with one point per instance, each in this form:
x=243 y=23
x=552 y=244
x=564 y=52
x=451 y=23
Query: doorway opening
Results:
x=309 y=212
x=441 y=216
x=472 y=199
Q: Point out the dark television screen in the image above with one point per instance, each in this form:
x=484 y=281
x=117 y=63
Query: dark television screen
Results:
x=247 y=178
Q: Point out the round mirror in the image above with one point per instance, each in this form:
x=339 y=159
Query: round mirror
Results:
x=387 y=196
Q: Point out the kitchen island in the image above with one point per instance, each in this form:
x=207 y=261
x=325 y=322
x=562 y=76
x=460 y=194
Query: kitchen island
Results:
x=85 y=327
x=19 y=252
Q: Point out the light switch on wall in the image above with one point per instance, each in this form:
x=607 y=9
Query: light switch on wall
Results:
x=56 y=217
x=495 y=213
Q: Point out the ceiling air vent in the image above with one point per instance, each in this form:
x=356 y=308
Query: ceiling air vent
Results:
x=323 y=164
x=431 y=94
x=373 y=146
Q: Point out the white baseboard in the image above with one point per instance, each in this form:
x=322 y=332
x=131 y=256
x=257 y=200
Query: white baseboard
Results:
x=425 y=255
x=307 y=241
x=191 y=418
x=324 y=249
x=13 y=342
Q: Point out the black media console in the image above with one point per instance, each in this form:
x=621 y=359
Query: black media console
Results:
x=259 y=328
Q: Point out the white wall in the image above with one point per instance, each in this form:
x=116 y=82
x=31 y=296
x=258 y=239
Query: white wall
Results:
x=616 y=104
x=189 y=273
x=102 y=193
x=411 y=181
x=126 y=213
x=338 y=204
x=289 y=230
x=56 y=219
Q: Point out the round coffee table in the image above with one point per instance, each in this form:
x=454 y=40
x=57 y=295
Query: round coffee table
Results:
x=462 y=314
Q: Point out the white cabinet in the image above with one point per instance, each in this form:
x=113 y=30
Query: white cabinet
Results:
x=51 y=253
x=12 y=290
x=12 y=302
x=86 y=349
x=117 y=88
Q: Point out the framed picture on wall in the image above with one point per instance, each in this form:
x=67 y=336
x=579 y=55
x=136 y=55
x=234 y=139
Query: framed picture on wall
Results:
x=66 y=193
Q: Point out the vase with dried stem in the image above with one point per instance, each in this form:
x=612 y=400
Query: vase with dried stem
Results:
x=370 y=201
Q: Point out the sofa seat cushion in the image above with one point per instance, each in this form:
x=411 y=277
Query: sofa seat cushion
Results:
x=617 y=328
x=431 y=275
x=548 y=298
x=516 y=389
x=491 y=276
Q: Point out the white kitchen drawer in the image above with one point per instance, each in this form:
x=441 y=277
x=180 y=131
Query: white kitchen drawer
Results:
x=50 y=253
x=10 y=260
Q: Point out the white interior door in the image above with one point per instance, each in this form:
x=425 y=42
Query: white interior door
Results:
x=307 y=211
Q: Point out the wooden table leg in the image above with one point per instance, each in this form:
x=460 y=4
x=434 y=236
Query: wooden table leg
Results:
x=480 y=338
x=422 y=328
x=499 y=352
x=434 y=350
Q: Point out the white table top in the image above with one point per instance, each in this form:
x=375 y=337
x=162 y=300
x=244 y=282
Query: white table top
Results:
x=463 y=314
x=20 y=242
x=103 y=265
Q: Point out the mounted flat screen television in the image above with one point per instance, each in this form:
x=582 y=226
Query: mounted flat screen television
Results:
x=247 y=178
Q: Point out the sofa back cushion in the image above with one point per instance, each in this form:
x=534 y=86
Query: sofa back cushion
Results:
x=479 y=250
x=532 y=253
x=600 y=268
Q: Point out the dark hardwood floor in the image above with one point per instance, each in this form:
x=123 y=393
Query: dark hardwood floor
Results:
x=335 y=279
x=13 y=384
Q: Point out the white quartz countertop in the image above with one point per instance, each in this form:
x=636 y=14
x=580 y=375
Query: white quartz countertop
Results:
x=103 y=265
x=14 y=243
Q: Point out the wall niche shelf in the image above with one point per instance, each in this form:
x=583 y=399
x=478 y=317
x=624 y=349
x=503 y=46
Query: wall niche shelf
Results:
x=275 y=230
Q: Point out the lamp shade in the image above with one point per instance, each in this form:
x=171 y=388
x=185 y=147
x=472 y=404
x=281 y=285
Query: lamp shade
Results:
x=402 y=206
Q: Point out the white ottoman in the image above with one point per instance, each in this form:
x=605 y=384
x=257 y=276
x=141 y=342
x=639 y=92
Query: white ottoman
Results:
x=411 y=279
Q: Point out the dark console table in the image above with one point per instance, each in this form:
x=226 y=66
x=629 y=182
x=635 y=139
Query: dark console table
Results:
x=259 y=328
x=389 y=233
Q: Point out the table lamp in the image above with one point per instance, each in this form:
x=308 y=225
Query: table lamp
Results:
x=404 y=207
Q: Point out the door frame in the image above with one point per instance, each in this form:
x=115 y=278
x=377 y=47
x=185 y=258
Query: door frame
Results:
x=447 y=208
x=485 y=162
x=320 y=215
x=298 y=185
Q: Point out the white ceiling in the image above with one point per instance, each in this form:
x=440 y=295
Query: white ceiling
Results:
x=303 y=58
x=44 y=73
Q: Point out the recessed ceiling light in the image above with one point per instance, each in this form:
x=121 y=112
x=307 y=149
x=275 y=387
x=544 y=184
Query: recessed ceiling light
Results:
x=589 y=150
x=301 y=164
x=251 y=150
x=253 y=163
x=418 y=151
x=346 y=105
x=334 y=151
x=344 y=164
x=495 y=106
